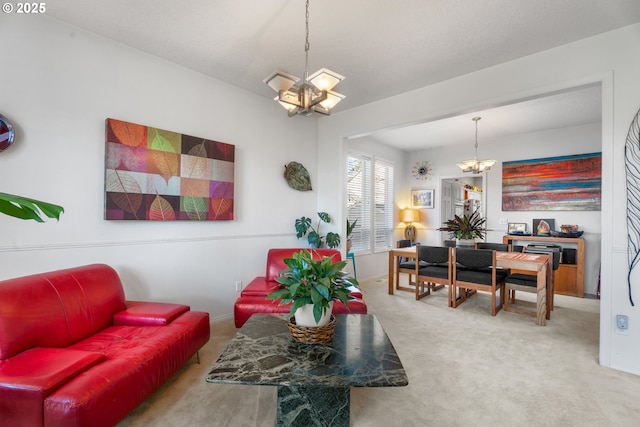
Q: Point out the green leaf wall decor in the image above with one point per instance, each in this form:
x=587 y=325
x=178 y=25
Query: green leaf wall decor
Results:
x=297 y=176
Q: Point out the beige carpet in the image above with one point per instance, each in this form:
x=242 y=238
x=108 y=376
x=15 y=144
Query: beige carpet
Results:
x=465 y=368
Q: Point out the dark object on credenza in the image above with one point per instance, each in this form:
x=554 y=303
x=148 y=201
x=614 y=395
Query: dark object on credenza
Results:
x=543 y=248
x=572 y=234
x=569 y=256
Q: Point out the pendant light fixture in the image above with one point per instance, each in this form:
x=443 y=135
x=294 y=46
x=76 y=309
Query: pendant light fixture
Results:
x=476 y=166
x=314 y=94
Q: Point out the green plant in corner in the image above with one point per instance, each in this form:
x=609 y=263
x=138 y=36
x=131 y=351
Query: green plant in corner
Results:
x=466 y=227
x=308 y=280
x=315 y=239
x=24 y=208
x=350 y=227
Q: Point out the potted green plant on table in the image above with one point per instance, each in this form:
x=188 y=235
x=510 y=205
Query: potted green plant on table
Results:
x=315 y=239
x=24 y=208
x=311 y=283
x=465 y=229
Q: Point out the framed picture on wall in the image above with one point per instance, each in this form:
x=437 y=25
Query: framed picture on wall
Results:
x=422 y=199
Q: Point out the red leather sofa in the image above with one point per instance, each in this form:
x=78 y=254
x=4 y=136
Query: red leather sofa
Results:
x=74 y=352
x=252 y=299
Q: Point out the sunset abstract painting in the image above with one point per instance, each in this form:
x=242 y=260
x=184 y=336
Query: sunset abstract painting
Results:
x=564 y=183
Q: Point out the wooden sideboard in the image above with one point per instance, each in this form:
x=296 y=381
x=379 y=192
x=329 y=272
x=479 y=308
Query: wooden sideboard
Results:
x=568 y=278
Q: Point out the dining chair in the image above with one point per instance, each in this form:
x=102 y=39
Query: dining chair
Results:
x=502 y=247
x=475 y=270
x=512 y=292
x=436 y=272
x=529 y=283
x=405 y=265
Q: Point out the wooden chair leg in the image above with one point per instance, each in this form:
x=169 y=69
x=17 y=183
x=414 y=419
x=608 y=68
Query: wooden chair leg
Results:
x=435 y=286
x=457 y=300
x=420 y=289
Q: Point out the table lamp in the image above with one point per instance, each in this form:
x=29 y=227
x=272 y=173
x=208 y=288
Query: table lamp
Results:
x=408 y=216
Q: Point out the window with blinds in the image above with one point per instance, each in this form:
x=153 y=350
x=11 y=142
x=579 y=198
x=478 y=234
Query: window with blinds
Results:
x=359 y=201
x=370 y=201
x=383 y=219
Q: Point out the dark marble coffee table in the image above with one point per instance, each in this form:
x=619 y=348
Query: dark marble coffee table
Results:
x=313 y=380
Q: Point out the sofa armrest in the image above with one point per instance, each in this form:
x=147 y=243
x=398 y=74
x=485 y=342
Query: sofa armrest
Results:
x=27 y=378
x=139 y=313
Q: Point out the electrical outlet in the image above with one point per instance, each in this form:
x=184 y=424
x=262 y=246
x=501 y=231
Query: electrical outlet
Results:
x=622 y=321
x=238 y=285
x=504 y=221
x=622 y=324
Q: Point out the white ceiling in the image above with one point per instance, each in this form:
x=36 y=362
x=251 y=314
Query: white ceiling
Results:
x=576 y=107
x=382 y=47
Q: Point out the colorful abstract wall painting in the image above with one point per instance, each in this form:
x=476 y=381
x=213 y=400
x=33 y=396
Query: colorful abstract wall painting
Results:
x=155 y=174
x=564 y=183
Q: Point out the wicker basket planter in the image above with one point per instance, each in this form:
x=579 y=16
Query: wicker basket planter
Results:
x=312 y=334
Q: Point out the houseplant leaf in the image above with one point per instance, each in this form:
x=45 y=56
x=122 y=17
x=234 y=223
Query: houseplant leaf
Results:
x=302 y=225
x=333 y=240
x=315 y=241
x=25 y=208
x=325 y=217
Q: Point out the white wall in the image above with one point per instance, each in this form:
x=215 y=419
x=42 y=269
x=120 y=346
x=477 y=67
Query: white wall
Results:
x=611 y=59
x=59 y=84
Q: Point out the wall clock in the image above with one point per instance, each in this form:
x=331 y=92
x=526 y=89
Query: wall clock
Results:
x=422 y=170
x=6 y=133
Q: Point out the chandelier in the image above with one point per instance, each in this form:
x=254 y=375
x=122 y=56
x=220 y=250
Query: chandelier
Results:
x=476 y=166
x=314 y=94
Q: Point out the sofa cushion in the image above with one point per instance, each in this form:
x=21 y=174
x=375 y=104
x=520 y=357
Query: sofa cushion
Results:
x=57 y=308
x=259 y=286
x=41 y=370
x=139 y=360
x=29 y=377
x=149 y=313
